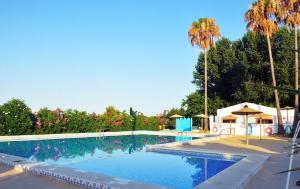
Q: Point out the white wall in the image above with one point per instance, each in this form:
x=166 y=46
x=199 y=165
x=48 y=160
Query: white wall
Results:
x=239 y=126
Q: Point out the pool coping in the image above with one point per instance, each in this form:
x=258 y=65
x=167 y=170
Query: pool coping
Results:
x=245 y=168
x=87 y=135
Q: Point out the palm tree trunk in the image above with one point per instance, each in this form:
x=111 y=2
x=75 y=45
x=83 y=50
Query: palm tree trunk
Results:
x=296 y=118
x=279 y=117
x=205 y=91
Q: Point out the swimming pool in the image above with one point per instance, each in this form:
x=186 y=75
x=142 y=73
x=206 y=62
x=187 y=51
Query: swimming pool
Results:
x=126 y=157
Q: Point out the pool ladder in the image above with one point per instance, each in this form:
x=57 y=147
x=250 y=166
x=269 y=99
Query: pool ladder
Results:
x=181 y=133
x=101 y=134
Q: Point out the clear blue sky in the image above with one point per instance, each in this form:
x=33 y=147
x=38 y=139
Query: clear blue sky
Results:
x=88 y=54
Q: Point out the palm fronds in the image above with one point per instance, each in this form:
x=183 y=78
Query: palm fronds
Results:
x=281 y=89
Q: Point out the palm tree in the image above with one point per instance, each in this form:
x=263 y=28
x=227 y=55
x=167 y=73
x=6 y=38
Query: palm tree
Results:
x=290 y=16
x=203 y=33
x=260 y=20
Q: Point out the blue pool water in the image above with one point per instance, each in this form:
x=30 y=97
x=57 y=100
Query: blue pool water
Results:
x=126 y=157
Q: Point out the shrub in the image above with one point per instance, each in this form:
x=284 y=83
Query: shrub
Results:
x=79 y=122
x=153 y=123
x=48 y=121
x=15 y=118
x=146 y=123
x=114 y=120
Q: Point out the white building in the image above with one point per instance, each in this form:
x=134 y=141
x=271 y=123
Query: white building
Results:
x=237 y=127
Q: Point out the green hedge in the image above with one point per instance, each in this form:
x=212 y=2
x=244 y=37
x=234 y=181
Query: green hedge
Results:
x=16 y=118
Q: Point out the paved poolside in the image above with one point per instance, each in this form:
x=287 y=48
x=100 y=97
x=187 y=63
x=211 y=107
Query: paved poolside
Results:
x=265 y=178
x=14 y=179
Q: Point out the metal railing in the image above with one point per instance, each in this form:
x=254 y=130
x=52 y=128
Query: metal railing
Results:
x=294 y=145
x=182 y=133
x=101 y=134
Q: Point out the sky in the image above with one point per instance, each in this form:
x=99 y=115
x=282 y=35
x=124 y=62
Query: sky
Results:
x=89 y=54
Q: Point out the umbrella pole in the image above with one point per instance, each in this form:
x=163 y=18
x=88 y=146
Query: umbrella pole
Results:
x=247 y=130
x=260 y=128
x=230 y=127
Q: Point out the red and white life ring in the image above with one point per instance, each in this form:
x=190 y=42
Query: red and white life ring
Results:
x=268 y=130
x=215 y=129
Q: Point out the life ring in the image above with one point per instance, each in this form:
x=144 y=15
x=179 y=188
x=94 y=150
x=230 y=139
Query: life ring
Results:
x=215 y=129
x=249 y=129
x=268 y=130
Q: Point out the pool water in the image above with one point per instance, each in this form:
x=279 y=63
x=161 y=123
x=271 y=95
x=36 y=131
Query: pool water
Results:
x=125 y=157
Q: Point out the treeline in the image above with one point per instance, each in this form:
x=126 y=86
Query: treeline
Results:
x=234 y=65
x=16 y=118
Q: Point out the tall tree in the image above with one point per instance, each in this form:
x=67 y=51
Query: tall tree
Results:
x=290 y=16
x=235 y=65
x=203 y=33
x=260 y=20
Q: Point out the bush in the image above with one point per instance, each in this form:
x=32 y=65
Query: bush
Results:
x=153 y=123
x=80 y=122
x=48 y=121
x=114 y=120
x=15 y=118
x=146 y=123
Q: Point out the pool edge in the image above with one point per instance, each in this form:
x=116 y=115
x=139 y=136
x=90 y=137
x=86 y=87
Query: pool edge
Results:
x=233 y=177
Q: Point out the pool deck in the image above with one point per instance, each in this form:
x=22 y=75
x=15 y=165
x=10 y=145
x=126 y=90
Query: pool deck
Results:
x=265 y=177
x=11 y=178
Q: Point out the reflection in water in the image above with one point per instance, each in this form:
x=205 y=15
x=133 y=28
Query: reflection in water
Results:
x=42 y=150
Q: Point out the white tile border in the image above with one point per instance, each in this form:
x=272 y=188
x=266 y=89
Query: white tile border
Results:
x=244 y=169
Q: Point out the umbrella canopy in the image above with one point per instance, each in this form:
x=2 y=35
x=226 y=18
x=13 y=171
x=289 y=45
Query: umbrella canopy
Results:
x=201 y=116
x=246 y=111
x=176 y=116
x=229 y=117
x=287 y=108
x=263 y=116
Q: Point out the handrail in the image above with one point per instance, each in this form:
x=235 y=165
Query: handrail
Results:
x=101 y=133
x=181 y=133
x=294 y=144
